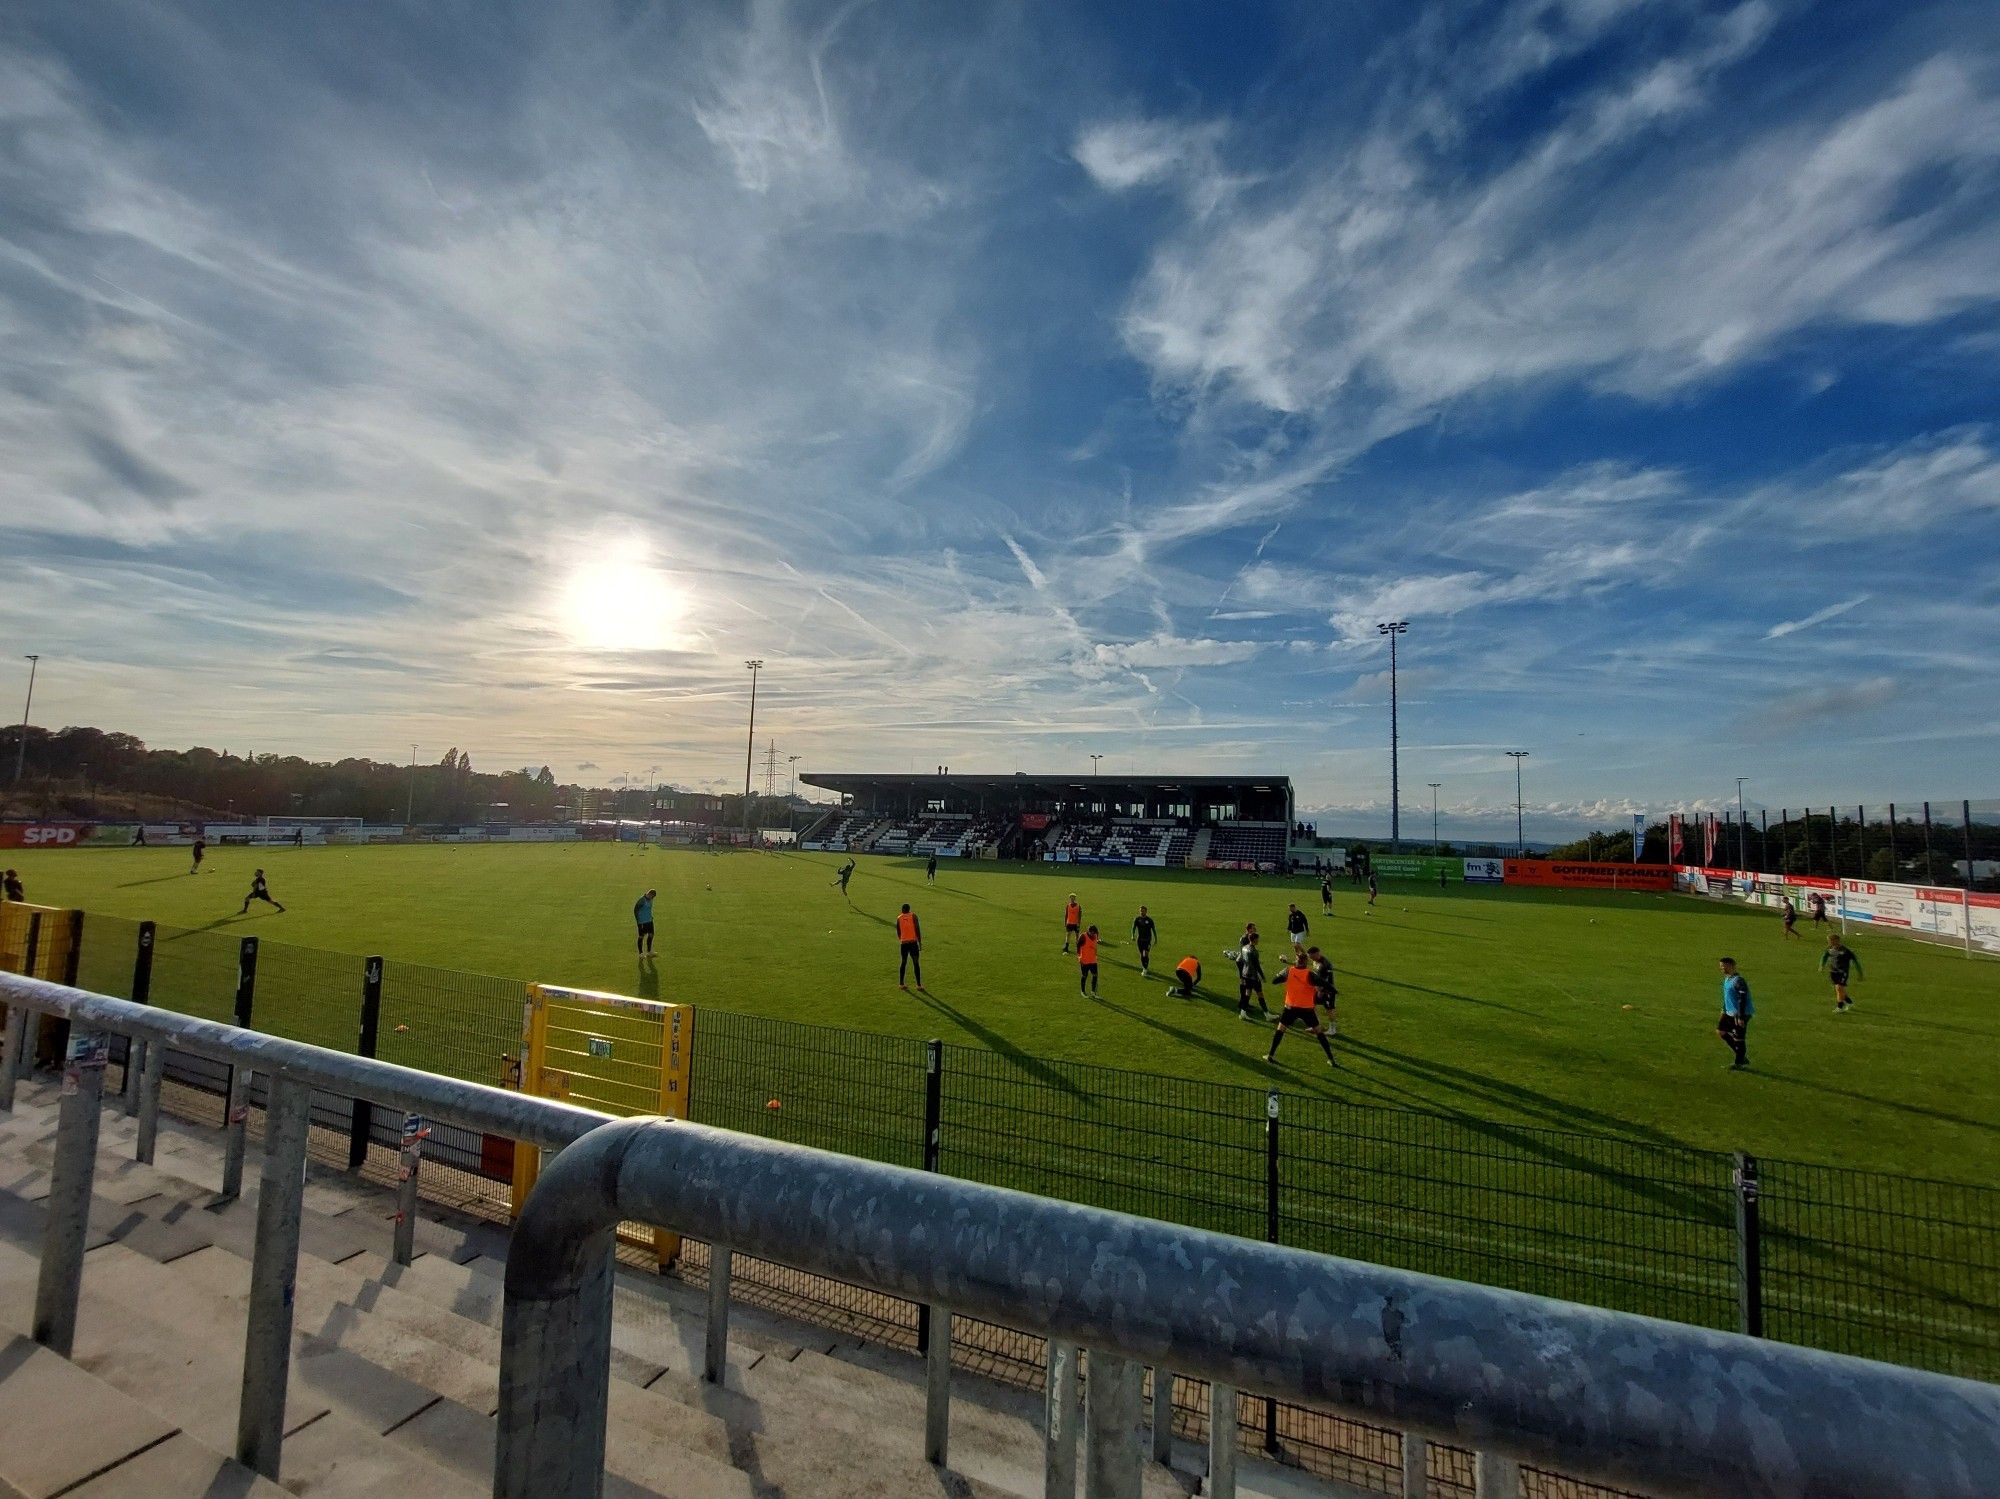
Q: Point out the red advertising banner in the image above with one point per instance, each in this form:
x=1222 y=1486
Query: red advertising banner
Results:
x=1710 y=837
x=1034 y=822
x=41 y=834
x=1674 y=838
x=1589 y=876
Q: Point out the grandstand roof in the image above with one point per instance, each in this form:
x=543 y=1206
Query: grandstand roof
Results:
x=858 y=782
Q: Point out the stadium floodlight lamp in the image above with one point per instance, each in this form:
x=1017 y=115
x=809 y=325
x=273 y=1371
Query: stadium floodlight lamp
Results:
x=21 y=749
x=1434 y=815
x=750 y=750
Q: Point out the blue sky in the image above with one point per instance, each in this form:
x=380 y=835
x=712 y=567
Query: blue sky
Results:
x=1020 y=383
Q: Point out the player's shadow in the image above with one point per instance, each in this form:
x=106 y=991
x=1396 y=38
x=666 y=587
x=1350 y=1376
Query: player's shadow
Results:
x=158 y=879
x=1918 y=1109
x=1470 y=999
x=649 y=977
x=1032 y=1065
x=1556 y=1112
x=1195 y=1039
x=208 y=926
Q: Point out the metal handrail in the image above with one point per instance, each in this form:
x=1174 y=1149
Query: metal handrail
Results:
x=1604 y=1396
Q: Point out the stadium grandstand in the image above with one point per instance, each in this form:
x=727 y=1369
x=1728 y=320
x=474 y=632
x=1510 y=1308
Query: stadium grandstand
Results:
x=1211 y=822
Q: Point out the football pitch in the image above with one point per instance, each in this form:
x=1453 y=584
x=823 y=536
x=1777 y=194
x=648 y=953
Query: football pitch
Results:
x=1570 y=1010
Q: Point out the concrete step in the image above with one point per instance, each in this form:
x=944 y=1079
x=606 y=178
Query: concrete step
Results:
x=64 y=1432
x=139 y=1331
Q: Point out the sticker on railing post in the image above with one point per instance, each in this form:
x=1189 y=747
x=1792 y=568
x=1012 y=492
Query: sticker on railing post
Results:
x=415 y=1132
x=88 y=1051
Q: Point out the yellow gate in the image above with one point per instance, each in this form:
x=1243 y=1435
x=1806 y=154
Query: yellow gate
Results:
x=624 y=1056
x=38 y=941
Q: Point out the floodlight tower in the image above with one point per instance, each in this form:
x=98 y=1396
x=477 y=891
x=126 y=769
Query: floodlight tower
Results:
x=1520 y=841
x=1434 y=815
x=750 y=747
x=21 y=749
x=1393 y=628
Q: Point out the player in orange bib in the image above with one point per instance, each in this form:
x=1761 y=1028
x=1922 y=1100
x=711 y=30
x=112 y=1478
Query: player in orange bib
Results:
x=911 y=936
x=1305 y=985
x=1072 y=923
x=1187 y=973
x=1086 y=962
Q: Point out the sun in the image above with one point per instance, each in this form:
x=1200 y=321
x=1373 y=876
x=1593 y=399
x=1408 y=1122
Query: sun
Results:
x=622 y=606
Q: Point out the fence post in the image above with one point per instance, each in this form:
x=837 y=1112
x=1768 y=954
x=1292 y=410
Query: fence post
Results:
x=1930 y=875
x=236 y=1110
x=1111 y=1466
x=142 y=994
x=937 y=1390
x=60 y=1280
x=1163 y=1415
x=149 y=1101
x=1059 y=1423
x=933 y=1124
x=1496 y=1477
x=362 y=1120
x=1416 y=1466
x=715 y=1349
x=16 y=1040
x=1221 y=1442
x=22 y=1062
x=267 y=1343
x=1749 y=1250
x=1271 y=1228
x=409 y=1159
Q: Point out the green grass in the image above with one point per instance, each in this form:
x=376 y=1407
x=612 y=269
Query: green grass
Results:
x=1531 y=1092
x=1570 y=1010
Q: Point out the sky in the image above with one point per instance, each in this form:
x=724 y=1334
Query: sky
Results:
x=1018 y=383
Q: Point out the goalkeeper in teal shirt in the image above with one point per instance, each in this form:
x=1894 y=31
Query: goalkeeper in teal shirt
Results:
x=1734 y=1026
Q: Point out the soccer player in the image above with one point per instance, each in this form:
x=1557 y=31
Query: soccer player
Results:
x=1086 y=962
x=846 y=874
x=1326 y=894
x=1373 y=888
x=139 y=837
x=1072 y=921
x=1836 y=960
x=1734 y=1026
x=1302 y=995
x=1143 y=932
x=1791 y=913
x=258 y=891
x=1816 y=903
x=642 y=913
x=11 y=887
x=1249 y=976
x=930 y=870
x=298 y=837
x=1187 y=974
x=1295 y=927
x=200 y=848
x=911 y=936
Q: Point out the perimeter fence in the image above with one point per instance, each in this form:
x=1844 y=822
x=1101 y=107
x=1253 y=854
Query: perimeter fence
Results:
x=1890 y=1267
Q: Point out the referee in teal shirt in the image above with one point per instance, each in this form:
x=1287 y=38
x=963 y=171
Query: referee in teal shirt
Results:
x=1734 y=1026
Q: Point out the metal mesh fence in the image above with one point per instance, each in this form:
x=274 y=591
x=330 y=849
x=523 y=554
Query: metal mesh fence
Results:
x=1856 y=1262
x=1612 y=1222
x=1893 y=1268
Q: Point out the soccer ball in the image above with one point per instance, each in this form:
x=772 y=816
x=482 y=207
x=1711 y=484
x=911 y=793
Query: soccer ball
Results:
x=1229 y=955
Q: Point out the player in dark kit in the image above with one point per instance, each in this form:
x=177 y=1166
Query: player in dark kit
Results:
x=258 y=891
x=1326 y=894
x=1373 y=888
x=1836 y=960
x=1791 y=915
x=1295 y=928
x=139 y=838
x=846 y=874
x=1143 y=933
x=200 y=848
x=11 y=887
x=642 y=913
x=1304 y=988
x=910 y=936
x=1734 y=1026
x=1816 y=903
x=1249 y=976
x=930 y=870
x=1086 y=962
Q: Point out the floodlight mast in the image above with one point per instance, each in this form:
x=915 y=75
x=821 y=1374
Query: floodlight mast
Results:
x=1393 y=628
x=750 y=747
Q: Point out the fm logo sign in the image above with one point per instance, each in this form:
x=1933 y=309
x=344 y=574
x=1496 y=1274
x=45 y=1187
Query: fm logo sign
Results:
x=57 y=836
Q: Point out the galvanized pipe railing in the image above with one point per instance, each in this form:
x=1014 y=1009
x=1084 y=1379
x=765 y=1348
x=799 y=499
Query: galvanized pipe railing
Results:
x=1605 y=1396
x=1598 y=1395
x=292 y=1071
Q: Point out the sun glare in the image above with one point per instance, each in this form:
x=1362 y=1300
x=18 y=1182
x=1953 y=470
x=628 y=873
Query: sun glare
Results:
x=622 y=606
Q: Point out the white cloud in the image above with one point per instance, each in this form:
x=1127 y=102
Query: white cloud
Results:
x=1170 y=650
x=1817 y=617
